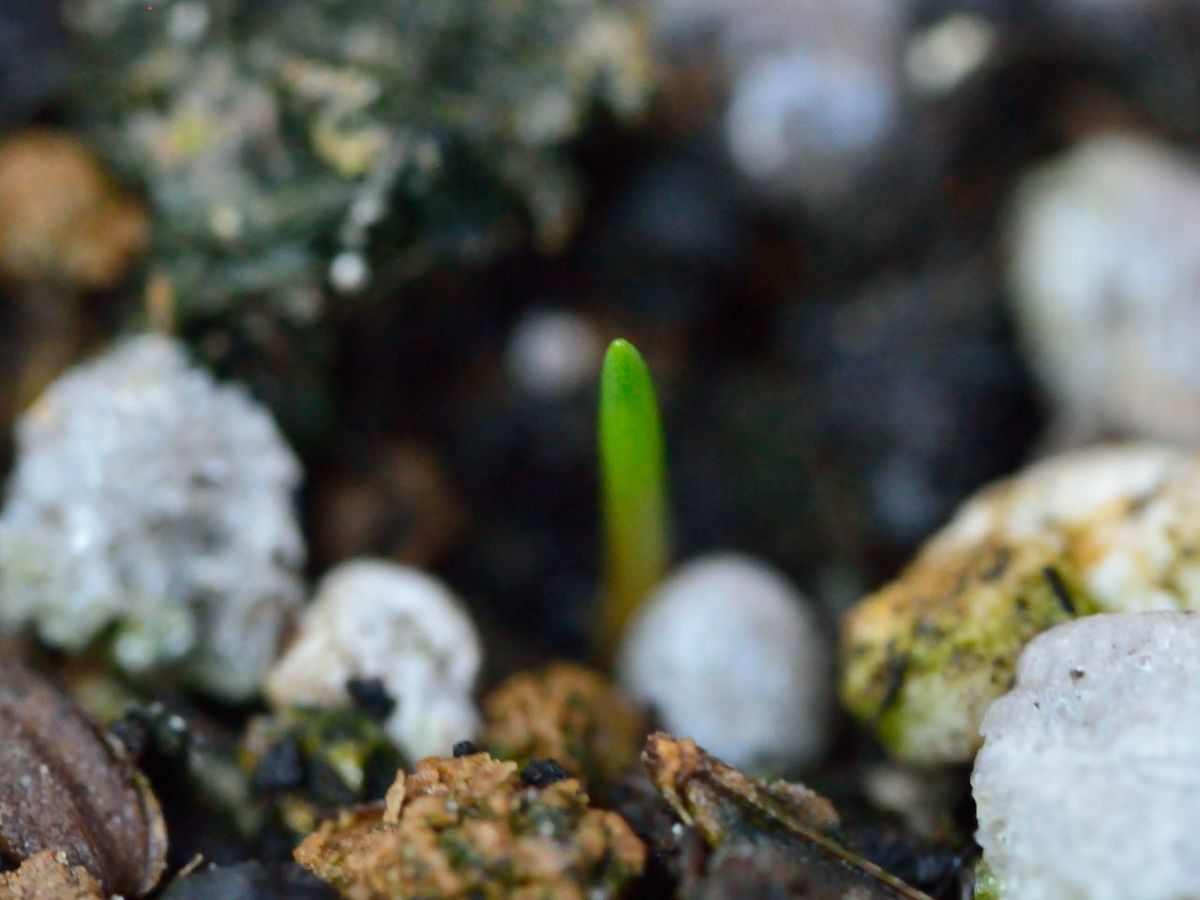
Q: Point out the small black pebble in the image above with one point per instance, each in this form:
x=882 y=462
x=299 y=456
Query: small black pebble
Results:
x=542 y=772
x=464 y=748
x=132 y=734
x=282 y=767
x=371 y=697
x=1076 y=674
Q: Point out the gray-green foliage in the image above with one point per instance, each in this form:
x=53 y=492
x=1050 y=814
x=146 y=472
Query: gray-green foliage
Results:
x=286 y=144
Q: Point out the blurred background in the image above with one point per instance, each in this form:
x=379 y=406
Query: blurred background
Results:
x=876 y=252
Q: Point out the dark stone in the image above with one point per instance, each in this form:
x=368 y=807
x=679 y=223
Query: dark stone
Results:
x=282 y=767
x=541 y=773
x=371 y=697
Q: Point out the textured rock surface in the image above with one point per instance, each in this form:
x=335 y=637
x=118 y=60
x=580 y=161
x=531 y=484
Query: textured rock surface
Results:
x=1105 y=269
x=372 y=619
x=472 y=827
x=66 y=786
x=1109 y=529
x=566 y=713
x=728 y=653
x=1085 y=786
x=150 y=500
x=50 y=876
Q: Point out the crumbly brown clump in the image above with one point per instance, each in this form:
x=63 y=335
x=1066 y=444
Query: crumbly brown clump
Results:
x=468 y=826
x=567 y=713
x=48 y=876
x=62 y=217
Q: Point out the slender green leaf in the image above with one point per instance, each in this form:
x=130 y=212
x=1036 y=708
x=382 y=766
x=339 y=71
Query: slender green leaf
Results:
x=633 y=482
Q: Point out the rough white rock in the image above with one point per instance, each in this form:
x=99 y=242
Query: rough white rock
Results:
x=1086 y=785
x=375 y=619
x=1105 y=269
x=1127 y=514
x=149 y=499
x=730 y=654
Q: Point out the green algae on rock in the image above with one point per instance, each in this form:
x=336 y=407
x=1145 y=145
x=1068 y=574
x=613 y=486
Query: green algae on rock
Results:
x=1107 y=529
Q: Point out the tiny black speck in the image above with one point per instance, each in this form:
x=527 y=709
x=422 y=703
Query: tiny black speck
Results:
x=540 y=773
x=464 y=748
x=281 y=768
x=1076 y=674
x=1059 y=589
x=371 y=697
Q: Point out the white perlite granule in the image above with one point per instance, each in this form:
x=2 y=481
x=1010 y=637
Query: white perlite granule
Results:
x=374 y=619
x=729 y=654
x=1105 y=269
x=1086 y=787
x=150 y=500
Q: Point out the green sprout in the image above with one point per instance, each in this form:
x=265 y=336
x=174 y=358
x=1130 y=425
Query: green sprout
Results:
x=633 y=486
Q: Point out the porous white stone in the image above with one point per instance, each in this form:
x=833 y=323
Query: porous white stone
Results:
x=729 y=653
x=1128 y=515
x=375 y=619
x=150 y=500
x=1086 y=785
x=1105 y=269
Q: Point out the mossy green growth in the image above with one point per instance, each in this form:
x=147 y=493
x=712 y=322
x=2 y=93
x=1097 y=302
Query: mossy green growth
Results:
x=634 y=489
x=923 y=658
x=309 y=761
x=987 y=886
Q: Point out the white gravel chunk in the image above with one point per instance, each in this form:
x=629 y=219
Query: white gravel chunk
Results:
x=1105 y=271
x=730 y=654
x=1086 y=786
x=150 y=501
x=375 y=619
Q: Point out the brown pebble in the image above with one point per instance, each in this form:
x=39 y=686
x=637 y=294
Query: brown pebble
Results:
x=66 y=786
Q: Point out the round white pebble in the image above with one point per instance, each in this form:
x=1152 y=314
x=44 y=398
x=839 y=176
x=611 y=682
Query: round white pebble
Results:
x=730 y=654
x=1086 y=784
x=375 y=619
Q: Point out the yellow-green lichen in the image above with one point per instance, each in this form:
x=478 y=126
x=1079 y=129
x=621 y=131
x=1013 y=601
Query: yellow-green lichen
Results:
x=924 y=657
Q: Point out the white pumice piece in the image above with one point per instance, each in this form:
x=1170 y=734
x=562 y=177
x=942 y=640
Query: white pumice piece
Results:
x=375 y=619
x=1086 y=785
x=727 y=652
x=153 y=506
x=1105 y=259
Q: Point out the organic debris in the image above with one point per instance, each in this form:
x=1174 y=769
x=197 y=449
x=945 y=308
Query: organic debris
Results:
x=739 y=817
x=566 y=713
x=469 y=826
